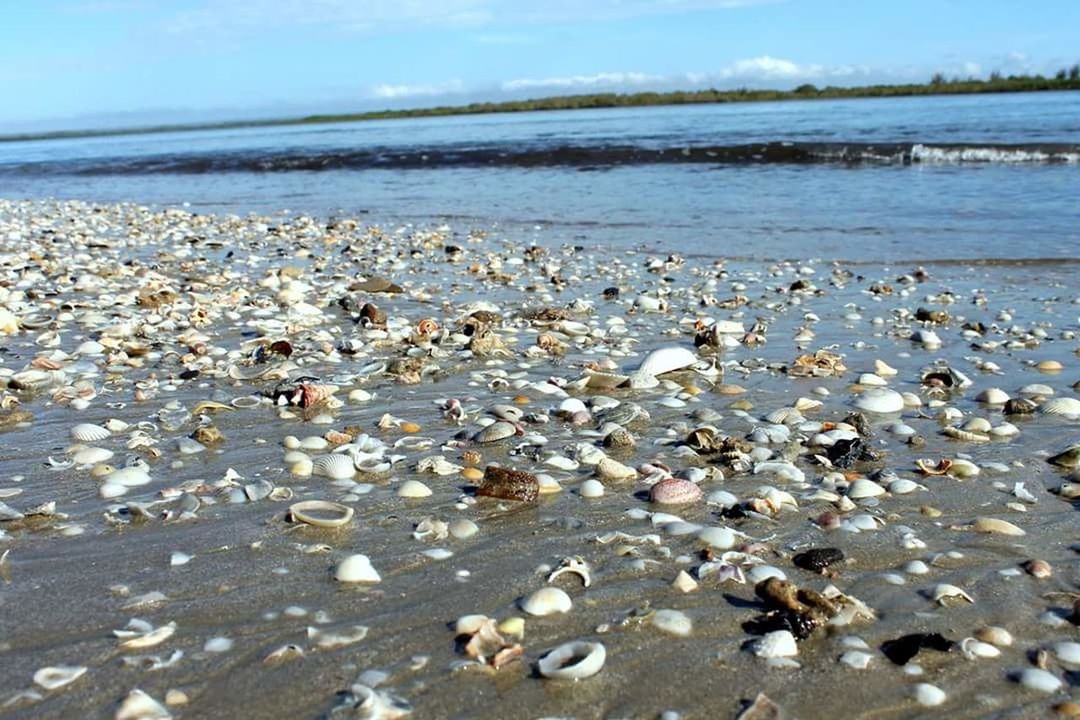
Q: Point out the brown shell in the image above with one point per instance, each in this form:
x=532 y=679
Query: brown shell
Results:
x=508 y=484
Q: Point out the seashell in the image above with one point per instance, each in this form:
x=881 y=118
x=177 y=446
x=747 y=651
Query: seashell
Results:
x=928 y=467
x=508 y=484
x=336 y=466
x=413 y=489
x=356 y=569
x=91 y=455
x=903 y=486
x=140 y=706
x=499 y=430
x=140 y=634
x=53 y=678
x=776 y=644
x=546 y=601
x=720 y=538
x=573 y=661
x=591 y=488
x=321 y=513
x=944 y=591
x=1068 y=458
x=995 y=636
x=928 y=695
x=1065 y=407
x=994 y=525
x=1037 y=679
x=330 y=639
x=856 y=659
x=128 y=477
x=880 y=400
x=87 y=432
x=1067 y=652
x=973 y=648
x=575 y=565
x=1038 y=569
x=962 y=469
x=863 y=488
x=674 y=491
x=660 y=361
x=964 y=435
x=613 y=470
x=993 y=396
x=463 y=528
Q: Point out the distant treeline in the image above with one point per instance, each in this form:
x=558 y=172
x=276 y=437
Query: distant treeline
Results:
x=1064 y=79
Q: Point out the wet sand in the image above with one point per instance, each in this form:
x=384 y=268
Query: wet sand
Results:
x=217 y=291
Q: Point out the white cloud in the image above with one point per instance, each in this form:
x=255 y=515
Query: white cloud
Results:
x=604 y=79
x=399 y=92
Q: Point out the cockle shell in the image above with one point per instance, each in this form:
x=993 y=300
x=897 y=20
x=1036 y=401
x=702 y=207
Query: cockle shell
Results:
x=88 y=432
x=674 y=491
x=547 y=601
x=336 y=466
x=573 y=661
x=1065 y=407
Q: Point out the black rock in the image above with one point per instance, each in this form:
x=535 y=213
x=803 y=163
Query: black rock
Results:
x=801 y=625
x=904 y=648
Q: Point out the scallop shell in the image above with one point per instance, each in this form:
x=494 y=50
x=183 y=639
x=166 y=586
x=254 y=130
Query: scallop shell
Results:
x=1066 y=407
x=573 y=661
x=88 y=432
x=336 y=466
x=311 y=512
x=547 y=601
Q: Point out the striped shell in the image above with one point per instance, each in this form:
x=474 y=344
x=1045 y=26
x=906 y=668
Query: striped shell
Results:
x=674 y=491
x=336 y=466
x=499 y=430
x=88 y=432
x=1066 y=407
x=965 y=435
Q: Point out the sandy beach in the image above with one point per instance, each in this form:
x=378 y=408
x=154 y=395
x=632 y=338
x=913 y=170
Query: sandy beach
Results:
x=685 y=429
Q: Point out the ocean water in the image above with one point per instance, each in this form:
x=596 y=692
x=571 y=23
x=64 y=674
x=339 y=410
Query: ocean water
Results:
x=959 y=177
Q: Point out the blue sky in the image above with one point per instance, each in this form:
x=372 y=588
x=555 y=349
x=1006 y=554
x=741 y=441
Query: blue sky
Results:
x=72 y=63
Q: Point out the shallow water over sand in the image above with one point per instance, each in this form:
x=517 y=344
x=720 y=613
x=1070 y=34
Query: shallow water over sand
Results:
x=262 y=582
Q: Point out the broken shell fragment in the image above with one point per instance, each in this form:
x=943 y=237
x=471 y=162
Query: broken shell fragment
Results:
x=573 y=661
x=321 y=513
x=53 y=678
x=508 y=484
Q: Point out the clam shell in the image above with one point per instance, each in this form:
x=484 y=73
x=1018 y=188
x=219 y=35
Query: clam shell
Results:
x=993 y=396
x=660 y=361
x=88 y=432
x=336 y=466
x=995 y=525
x=609 y=469
x=547 y=601
x=499 y=430
x=321 y=513
x=863 y=488
x=573 y=661
x=356 y=569
x=1068 y=458
x=128 y=477
x=880 y=400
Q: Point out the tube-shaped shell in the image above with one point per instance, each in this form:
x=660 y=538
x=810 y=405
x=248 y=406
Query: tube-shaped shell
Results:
x=573 y=661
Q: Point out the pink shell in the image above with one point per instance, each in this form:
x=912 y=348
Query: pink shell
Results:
x=674 y=491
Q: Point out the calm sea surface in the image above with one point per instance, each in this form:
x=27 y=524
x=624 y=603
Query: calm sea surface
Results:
x=991 y=176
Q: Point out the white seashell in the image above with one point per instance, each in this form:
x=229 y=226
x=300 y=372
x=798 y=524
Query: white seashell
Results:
x=856 y=659
x=763 y=572
x=52 y=678
x=684 y=583
x=413 y=489
x=944 y=591
x=591 y=488
x=863 y=488
x=336 y=466
x=973 y=648
x=880 y=400
x=872 y=380
x=1036 y=679
x=128 y=477
x=547 y=601
x=356 y=569
x=91 y=455
x=929 y=695
x=721 y=538
x=776 y=644
x=783 y=470
x=573 y=661
x=963 y=469
x=904 y=486
x=660 y=361
x=140 y=706
x=610 y=469
x=993 y=396
x=883 y=369
x=1067 y=652
x=330 y=639
x=88 y=432
x=1066 y=407
x=927 y=338
x=673 y=622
